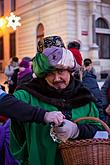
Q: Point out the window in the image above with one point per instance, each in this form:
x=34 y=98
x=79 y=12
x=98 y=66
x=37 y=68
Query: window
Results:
x=106 y=1
x=1 y=49
x=1 y=7
x=40 y=31
x=103 y=40
x=13 y=5
x=101 y=23
x=12 y=45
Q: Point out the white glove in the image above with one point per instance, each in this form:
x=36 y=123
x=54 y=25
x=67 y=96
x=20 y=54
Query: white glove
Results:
x=54 y=117
x=68 y=130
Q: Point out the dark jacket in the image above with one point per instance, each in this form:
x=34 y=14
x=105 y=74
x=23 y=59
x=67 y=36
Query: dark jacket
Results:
x=105 y=89
x=13 y=84
x=90 y=82
x=13 y=108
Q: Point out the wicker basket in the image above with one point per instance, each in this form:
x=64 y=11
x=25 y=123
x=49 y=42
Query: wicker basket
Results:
x=87 y=152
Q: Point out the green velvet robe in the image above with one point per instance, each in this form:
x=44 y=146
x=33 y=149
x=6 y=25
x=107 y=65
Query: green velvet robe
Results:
x=31 y=143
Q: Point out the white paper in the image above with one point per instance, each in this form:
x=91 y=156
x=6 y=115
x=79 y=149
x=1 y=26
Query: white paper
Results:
x=101 y=135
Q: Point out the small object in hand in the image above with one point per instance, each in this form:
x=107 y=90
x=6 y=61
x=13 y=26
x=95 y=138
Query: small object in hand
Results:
x=52 y=124
x=53 y=134
x=62 y=124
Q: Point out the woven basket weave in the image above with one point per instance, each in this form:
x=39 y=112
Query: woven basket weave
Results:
x=87 y=152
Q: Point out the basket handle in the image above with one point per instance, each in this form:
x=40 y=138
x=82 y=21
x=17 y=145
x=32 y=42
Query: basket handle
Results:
x=94 y=119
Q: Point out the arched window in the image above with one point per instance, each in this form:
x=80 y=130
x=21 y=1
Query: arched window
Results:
x=103 y=39
x=40 y=31
x=101 y=23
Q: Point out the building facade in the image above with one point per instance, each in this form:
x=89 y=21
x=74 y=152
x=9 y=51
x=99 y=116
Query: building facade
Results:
x=86 y=20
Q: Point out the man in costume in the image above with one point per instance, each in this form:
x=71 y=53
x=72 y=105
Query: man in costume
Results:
x=54 y=89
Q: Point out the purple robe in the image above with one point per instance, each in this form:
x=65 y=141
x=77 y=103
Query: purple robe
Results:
x=5 y=155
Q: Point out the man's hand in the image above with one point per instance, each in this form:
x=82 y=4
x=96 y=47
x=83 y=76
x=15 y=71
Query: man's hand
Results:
x=54 y=117
x=68 y=130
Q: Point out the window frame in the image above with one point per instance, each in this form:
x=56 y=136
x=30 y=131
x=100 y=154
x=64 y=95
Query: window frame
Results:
x=12 y=44
x=1 y=8
x=1 y=48
x=12 y=5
